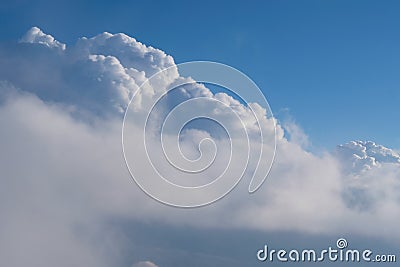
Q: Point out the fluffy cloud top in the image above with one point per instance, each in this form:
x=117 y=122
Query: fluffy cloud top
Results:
x=358 y=156
x=36 y=36
x=98 y=74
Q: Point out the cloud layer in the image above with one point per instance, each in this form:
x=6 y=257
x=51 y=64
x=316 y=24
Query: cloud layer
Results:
x=63 y=175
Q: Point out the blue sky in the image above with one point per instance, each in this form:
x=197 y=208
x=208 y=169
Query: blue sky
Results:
x=333 y=64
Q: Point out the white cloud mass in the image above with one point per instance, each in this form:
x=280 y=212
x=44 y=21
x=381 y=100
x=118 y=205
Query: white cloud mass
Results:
x=35 y=35
x=63 y=175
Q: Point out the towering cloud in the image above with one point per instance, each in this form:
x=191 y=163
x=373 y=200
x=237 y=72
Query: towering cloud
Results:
x=36 y=36
x=63 y=174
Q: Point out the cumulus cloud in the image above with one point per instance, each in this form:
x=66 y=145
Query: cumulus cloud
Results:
x=98 y=75
x=360 y=156
x=36 y=36
x=63 y=173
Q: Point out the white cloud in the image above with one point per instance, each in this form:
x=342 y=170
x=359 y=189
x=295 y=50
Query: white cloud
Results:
x=360 y=156
x=36 y=36
x=63 y=176
x=43 y=212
